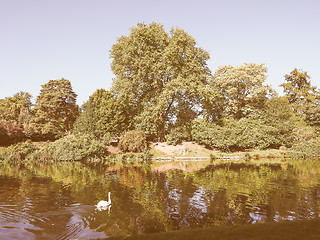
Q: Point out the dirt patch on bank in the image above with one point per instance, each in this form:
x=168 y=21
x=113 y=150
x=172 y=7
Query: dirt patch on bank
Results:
x=113 y=149
x=185 y=148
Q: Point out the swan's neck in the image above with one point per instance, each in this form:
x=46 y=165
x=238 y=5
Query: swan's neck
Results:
x=109 y=199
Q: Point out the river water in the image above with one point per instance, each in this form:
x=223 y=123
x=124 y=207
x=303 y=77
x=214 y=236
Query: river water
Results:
x=57 y=200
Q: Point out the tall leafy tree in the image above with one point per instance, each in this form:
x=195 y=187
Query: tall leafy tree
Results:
x=55 y=109
x=303 y=97
x=239 y=91
x=17 y=112
x=16 y=109
x=158 y=75
x=102 y=114
x=278 y=114
x=10 y=133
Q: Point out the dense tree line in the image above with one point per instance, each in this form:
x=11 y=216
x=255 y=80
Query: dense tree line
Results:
x=164 y=88
x=50 y=118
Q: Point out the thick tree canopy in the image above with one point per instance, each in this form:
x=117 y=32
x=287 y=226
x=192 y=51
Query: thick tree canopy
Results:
x=100 y=115
x=238 y=91
x=15 y=117
x=158 y=75
x=56 y=109
x=16 y=109
x=303 y=97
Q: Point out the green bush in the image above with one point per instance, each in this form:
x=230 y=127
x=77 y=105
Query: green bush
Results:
x=72 y=148
x=306 y=149
x=18 y=152
x=107 y=138
x=133 y=141
x=235 y=135
x=175 y=136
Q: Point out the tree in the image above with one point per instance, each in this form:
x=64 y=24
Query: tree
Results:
x=10 y=133
x=17 y=112
x=303 y=97
x=16 y=109
x=102 y=114
x=238 y=91
x=56 y=109
x=157 y=74
x=278 y=114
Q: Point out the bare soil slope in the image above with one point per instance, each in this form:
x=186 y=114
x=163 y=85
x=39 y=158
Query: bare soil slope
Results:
x=184 y=149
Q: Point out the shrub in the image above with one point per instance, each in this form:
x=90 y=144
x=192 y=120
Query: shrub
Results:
x=133 y=141
x=175 y=137
x=18 y=152
x=306 y=144
x=235 y=135
x=107 y=138
x=306 y=149
x=72 y=148
x=304 y=134
x=10 y=133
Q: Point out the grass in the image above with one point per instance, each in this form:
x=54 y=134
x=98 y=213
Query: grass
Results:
x=158 y=153
x=200 y=151
x=291 y=230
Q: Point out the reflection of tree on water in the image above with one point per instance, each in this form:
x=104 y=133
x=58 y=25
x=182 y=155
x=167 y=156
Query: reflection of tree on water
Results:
x=143 y=201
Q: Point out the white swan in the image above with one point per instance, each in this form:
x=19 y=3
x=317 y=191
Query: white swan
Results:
x=104 y=204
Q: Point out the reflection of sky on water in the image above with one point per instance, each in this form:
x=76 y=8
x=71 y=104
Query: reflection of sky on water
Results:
x=199 y=201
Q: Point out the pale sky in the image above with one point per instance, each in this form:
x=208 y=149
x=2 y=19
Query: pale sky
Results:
x=52 y=39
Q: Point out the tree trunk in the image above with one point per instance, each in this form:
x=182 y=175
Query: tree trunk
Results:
x=161 y=129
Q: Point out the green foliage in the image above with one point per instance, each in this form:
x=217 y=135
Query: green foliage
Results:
x=55 y=110
x=102 y=114
x=107 y=138
x=133 y=141
x=16 y=109
x=304 y=134
x=235 y=135
x=278 y=114
x=72 y=148
x=307 y=144
x=303 y=97
x=237 y=91
x=175 y=136
x=18 y=152
x=158 y=76
x=306 y=149
x=270 y=127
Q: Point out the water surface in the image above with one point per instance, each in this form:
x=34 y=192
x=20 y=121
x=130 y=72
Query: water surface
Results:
x=57 y=201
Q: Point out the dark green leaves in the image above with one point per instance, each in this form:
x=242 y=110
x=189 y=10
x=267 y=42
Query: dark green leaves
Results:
x=157 y=74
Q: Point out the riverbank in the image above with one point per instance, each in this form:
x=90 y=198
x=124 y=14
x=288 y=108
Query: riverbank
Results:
x=193 y=151
x=303 y=229
x=71 y=148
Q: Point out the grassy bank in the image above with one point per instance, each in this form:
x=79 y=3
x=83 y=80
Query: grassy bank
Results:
x=189 y=150
x=308 y=230
x=84 y=147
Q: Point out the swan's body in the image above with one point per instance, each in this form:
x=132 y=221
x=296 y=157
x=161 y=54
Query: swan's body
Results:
x=104 y=204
